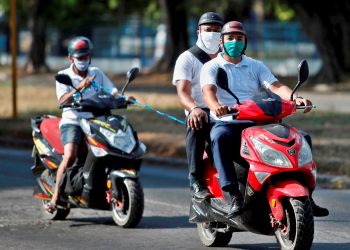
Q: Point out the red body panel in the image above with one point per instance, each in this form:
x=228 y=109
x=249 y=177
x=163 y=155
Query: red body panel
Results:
x=211 y=177
x=249 y=110
x=285 y=188
x=50 y=130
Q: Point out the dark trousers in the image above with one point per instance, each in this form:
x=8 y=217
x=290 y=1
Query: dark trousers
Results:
x=226 y=142
x=195 y=146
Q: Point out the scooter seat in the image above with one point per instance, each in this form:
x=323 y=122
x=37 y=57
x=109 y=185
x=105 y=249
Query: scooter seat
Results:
x=50 y=130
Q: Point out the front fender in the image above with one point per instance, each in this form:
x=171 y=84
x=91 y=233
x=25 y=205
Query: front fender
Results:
x=281 y=189
x=124 y=174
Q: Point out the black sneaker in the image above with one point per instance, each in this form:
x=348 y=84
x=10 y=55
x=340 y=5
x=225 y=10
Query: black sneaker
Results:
x=317 y=210
x=236 y=205
x=199 y=191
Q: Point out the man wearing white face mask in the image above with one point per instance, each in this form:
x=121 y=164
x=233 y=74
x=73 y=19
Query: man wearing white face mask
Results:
x=81 y=73
x=186 y=79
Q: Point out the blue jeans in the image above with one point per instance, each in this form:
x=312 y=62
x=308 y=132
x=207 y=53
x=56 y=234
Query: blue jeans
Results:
x=226 y=142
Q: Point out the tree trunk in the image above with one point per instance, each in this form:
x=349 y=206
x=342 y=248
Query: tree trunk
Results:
x=37 y=25
x=328 y=25
x=177 y=37
x=238 y=10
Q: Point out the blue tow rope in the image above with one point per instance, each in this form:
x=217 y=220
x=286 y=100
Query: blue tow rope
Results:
x=97 y=85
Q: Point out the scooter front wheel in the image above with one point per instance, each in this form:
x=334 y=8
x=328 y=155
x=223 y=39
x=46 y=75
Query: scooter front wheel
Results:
x=212 y=235
x=297 y=229
x=127 y=210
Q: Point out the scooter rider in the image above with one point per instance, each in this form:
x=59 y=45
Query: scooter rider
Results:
x=186 y=79
x=81 y=73
x=245 y=77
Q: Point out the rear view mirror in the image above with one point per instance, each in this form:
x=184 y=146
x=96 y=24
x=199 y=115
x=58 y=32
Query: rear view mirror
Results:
x=303 y=74
x=131 y=75
x=303 y=69
x=222 y=82
x=64 y=79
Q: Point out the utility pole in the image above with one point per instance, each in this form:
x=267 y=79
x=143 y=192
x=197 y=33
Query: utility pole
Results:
x=13 y=42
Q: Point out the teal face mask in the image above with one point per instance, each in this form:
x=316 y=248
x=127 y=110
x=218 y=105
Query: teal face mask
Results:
x=234 y=48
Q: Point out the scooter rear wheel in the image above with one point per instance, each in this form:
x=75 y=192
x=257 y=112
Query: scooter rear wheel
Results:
x=58 y=214
x=298 y=226
x=211 y=237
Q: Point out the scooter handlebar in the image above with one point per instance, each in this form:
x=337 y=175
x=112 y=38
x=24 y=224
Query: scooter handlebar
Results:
x=304 y=107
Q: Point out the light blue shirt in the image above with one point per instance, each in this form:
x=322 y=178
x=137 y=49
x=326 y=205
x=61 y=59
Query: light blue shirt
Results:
x=244 y=79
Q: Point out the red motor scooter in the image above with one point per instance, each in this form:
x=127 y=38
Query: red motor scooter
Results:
x=275 y=182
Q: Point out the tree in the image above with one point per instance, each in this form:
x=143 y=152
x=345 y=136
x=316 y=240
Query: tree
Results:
x=37 y=26
x=328 y=25
x=177 y=36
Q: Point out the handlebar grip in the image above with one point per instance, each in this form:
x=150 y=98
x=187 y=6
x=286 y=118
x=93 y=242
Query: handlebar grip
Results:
x=71 y=105
x=62 y=106
x=304 y=107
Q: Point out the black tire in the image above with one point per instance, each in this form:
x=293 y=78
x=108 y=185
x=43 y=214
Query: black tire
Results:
x=58 y=214
x=129 y=214
x=210 y=237
x=299 y=221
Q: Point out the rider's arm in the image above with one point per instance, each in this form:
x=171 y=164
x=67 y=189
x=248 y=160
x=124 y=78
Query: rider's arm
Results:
x=183 y=88
x=209 y=92
x=196 y=115
x=282 y=90
x=68 y=97
x=285 y=92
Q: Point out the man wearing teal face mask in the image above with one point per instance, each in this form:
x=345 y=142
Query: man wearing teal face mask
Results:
x=245 y=76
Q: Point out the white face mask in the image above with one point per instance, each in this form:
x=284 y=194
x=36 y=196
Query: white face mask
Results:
x=81 y=65
x=209 y=41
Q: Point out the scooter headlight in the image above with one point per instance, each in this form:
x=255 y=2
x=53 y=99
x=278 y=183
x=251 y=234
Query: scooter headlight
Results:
x=124 y=141
x=271 y=156
x=305 y=154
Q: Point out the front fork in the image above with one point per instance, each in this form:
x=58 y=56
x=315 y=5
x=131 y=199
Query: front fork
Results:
x=114 y=180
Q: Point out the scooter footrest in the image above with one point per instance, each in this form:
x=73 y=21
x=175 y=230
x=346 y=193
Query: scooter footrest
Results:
x=220 y=205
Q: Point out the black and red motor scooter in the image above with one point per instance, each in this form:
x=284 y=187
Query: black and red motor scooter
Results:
x=106 y=173
x=275 y=182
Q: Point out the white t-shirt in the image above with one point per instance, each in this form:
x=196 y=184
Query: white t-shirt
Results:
x=71 y=116
x=244 y=79
x=188 y=67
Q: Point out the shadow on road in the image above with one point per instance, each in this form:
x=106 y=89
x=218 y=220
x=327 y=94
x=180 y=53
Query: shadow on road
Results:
x=150 y=222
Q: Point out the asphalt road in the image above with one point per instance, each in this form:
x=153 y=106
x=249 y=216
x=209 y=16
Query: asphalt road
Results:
x=164 y=225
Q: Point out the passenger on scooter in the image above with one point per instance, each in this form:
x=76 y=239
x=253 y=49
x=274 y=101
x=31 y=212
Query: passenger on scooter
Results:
x=186 y=79
x=245 y=78
x=82 y=74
